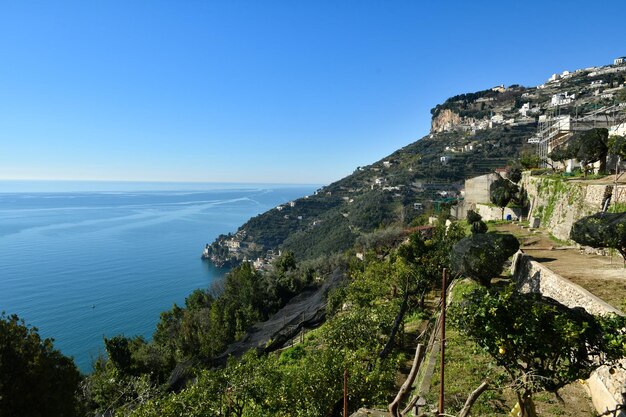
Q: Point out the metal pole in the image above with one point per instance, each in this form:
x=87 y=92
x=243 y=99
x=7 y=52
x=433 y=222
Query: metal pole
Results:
x=443 y=339
x=345 y=393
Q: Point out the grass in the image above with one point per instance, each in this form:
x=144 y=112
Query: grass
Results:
x=466 y=368
x=558 y=241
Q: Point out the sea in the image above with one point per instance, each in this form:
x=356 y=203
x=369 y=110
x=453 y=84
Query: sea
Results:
x=85 y=260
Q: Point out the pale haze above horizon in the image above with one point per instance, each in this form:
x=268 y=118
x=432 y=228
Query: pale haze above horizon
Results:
x=262 y=92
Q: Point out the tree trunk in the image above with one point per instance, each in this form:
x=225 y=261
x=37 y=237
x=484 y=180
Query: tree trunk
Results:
x=528 y=407
x=404 y=389
x=396 y=325
x=472 y=399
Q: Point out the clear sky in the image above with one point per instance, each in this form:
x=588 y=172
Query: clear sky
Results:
x=262 y=91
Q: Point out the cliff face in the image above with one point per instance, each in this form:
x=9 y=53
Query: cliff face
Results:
x=445 y=120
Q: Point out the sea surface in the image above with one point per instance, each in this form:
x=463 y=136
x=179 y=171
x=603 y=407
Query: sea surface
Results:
x=81 y=260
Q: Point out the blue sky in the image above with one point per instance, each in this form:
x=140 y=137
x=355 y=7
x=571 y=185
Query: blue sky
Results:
x=262 y=91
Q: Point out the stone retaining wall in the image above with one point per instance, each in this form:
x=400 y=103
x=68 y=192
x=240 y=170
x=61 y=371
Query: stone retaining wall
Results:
x=559 y=203
x=606 y=386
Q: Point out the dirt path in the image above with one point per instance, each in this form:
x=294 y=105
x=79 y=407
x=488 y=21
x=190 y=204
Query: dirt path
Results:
x=600 y=275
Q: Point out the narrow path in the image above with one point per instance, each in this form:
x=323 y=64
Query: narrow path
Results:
x=603 y=276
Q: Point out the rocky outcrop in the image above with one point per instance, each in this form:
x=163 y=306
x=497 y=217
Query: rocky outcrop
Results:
x=445 y=120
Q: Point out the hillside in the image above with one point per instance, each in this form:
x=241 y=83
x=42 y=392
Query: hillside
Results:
x=471 y=134
x=394 y=190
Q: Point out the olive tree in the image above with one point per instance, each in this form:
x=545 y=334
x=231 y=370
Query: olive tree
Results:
x=475 y=220
x=590 y=146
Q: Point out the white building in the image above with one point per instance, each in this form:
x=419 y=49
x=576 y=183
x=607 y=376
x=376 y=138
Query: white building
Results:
x=619 y=61
x=561 y=99
x=525 y=108
x=497 y=118
x=554 y=77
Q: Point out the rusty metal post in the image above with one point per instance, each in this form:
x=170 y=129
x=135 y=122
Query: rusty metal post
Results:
x=443 y=339
x=345 y=393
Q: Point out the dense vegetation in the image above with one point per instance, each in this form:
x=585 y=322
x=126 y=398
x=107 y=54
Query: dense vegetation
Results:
x=36 y=380
x=183 y=370
x=377 y=196
x=363 y=321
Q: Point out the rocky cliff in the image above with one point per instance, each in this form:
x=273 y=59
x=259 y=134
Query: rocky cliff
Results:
x=445 y=120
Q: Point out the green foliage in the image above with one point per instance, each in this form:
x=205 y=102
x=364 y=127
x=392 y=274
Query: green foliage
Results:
x=590 y=146
x=514 y=174
x=601 y=230
x=543 y=345
x=475 y=220
x=562 y=154
x=202 y=329
x=35 y=379
x=501 y=192
x=482 y=256
x=118 y=352
x=530 y=160
x=617 y=145
x=303 y=381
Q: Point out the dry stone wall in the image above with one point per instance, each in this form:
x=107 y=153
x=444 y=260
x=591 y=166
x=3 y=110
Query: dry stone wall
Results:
x=559 y=203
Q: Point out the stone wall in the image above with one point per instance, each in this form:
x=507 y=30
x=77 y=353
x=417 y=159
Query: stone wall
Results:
x=558 y=203
x=532 y=276
x=606 y=386
x=489 y=212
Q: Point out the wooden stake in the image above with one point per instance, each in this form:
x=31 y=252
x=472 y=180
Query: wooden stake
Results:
x=443 y=339
x=345 y=393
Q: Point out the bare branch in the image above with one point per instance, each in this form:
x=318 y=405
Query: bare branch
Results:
x=472 y=399
x=404 y=389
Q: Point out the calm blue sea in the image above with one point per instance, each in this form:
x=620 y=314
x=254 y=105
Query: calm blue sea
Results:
x=100 y=259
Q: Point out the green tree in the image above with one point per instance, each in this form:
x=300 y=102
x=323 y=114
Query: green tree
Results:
x=542 y=344
x=561 y=154
x=482 y=256
x=36 y=380
x=590 y=146
x=529 y=160
x=501 y=192
x=475 y=220
x=118 y=351
x=514 y=174
x=601 y=230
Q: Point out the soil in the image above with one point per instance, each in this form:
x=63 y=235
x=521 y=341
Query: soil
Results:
x=603 y=276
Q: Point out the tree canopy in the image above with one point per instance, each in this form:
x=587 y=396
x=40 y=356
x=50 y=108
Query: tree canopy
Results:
x=514 y=174
x=475 y=220
x=482 y=256
x=35 y=379
x=601 y=230
x=590 y=146
x=501 y=192
x=542 y=344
